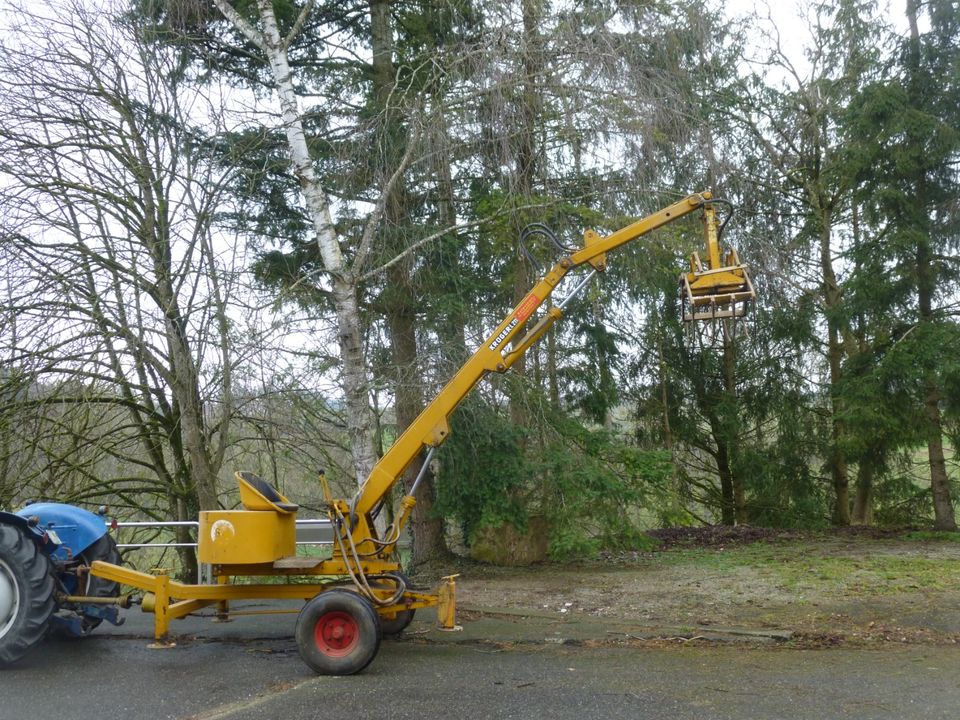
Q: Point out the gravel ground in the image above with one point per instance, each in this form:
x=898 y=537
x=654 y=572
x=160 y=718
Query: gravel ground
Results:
x=856 y=587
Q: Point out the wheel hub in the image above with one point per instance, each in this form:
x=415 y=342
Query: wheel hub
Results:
x=336 y=634
x=9 y=598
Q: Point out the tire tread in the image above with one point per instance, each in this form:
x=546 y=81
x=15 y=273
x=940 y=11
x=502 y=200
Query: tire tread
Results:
x=37 y=576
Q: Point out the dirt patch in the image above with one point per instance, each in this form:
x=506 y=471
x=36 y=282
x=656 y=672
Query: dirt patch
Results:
x=649 y=594
x=854 y=587
x=727 y=535
x=718 y=535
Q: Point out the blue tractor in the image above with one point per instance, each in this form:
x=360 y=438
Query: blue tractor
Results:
x=45 y=553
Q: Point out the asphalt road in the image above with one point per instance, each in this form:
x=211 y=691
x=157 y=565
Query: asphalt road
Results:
x=249 y=669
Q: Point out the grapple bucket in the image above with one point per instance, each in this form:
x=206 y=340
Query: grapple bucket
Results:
x=721 y=288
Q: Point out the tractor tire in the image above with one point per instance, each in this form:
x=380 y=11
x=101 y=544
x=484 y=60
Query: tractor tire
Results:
x=396 y=625
x=26 y=594
x=104 y=549
x=338 y=633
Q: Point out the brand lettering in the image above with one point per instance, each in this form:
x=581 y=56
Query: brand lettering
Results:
x=503 y=333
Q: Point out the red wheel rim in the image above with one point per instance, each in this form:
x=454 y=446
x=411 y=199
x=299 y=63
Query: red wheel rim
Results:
x=336 y=634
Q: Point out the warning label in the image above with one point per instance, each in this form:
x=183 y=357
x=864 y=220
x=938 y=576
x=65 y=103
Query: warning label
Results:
x=527 y=307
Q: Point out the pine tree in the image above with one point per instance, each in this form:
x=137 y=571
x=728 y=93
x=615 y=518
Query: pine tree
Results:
x=906 y=131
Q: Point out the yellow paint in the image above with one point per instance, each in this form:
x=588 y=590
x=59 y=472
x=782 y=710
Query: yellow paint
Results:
x=253 y=499
x=245 y=536
x=430 y=428
x=169 y=600
x=720 y=289
x=260 y=540
x=447 y=604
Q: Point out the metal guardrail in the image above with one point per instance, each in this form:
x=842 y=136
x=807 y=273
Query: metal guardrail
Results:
x=309 y=532
x=155 y=524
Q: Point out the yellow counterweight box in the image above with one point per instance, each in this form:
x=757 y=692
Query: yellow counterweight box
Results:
x=236 y=537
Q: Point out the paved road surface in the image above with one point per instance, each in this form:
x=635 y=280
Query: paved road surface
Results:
x=249 y=669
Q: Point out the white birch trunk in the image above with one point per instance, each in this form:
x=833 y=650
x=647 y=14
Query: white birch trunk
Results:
x=359 y=417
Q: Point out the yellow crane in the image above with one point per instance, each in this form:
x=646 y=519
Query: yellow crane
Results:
x=361 y=593
x=721 y=288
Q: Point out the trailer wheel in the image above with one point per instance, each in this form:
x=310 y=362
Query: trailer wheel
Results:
x=26 y=594
x=395 y=625
x=104 y=549
x=338 y=633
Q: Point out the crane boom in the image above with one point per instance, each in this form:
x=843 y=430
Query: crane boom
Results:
x=431 y=428
x=338 y=630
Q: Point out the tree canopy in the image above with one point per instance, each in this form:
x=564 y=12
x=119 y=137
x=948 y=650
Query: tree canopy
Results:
x=268 y=231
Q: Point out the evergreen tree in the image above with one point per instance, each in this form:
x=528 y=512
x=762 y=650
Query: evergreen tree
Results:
x=906 y=131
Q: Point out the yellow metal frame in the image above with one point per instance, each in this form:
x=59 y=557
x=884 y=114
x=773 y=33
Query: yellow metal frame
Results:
x=245 y=536
x=717 y=288
x=170 y=600
x=358 y=552
x=723 y=288
x=496 y=354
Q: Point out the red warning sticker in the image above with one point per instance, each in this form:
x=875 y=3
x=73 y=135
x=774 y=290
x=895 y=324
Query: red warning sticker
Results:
x=526 y=309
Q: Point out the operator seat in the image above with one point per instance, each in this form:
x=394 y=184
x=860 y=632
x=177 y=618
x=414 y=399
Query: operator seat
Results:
x=257 y=494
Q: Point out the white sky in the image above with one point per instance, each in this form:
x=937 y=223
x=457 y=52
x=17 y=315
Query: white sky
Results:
x=790 y=20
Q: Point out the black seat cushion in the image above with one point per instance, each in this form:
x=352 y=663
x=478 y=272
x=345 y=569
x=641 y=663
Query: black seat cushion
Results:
x=268 y=491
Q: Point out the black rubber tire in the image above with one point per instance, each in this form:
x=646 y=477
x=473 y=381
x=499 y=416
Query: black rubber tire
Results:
x=338 y=633
x=104 y=549
x=396 y=625
x=28 y=572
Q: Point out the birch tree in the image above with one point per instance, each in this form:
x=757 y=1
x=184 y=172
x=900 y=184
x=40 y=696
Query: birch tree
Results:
x=263 y=32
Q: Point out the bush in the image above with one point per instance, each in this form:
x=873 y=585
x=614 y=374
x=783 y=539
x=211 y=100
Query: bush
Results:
x=590 y=488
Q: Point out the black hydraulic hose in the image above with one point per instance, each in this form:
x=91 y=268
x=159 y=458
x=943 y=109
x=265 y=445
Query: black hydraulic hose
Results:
x=717 y=201
x=535 y=229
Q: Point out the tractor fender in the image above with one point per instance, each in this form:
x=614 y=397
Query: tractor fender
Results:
x=31 y=531
x=7 y=518
x=76 y=528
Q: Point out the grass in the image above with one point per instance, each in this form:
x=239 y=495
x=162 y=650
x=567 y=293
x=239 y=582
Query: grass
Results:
x=871 y=568
x=933 y=535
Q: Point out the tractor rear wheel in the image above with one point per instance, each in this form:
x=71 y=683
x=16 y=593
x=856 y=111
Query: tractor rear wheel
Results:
x=338 y=633
x=26 y=594
x=104 y=549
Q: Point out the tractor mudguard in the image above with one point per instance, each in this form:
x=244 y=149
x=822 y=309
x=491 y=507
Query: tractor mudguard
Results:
x=76 y=528
x=31 y=531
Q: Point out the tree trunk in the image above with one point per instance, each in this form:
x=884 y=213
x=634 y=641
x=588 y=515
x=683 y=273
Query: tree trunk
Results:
x=731 y=424
x=453 y=328
x=359 y=417
x=524 y=178
x=863 y=502
x=944 y=517
x=182 y=511
x=402 y=302
x=203 y=475
x=832 y=299
x=425 y=528
x=840 y=476
x=943 y=511
x=356 y=385
x=429 y=540
x=675 y=501
x=728 y=515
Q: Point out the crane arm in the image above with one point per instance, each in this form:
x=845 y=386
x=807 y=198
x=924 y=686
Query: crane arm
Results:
x=431 y=428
